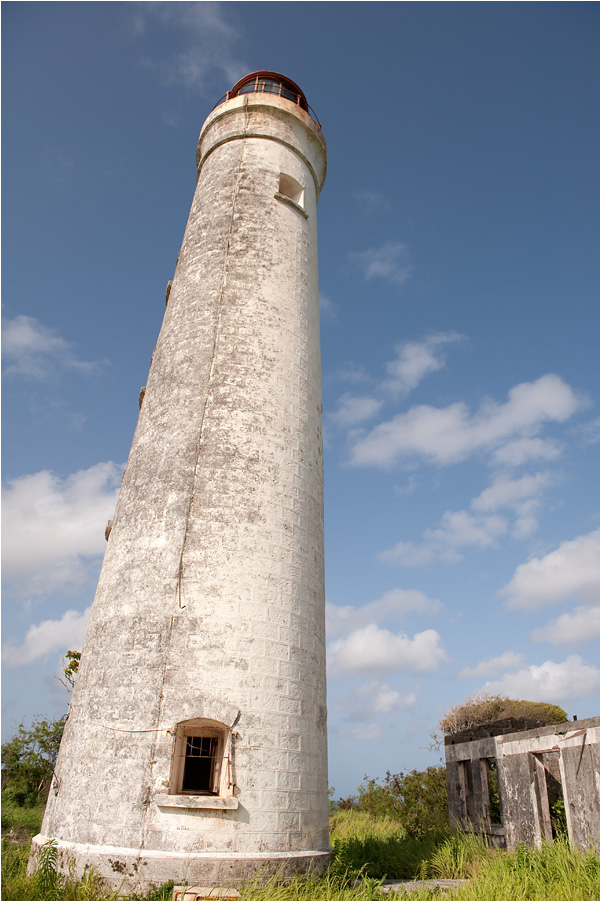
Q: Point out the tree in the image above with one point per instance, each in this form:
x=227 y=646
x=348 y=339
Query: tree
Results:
x=28 y=761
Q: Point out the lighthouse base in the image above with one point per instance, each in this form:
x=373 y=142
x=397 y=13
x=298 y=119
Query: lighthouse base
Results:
x=128 y=869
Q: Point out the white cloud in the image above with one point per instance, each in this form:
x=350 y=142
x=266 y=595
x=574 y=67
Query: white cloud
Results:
x=376 y=699
x=392 y=606
x=573 y=628
x=375 y=651
x=389 y=262
x=209 y=34
x=327 y=307
x=457 y=530
x=452 y=434
x=371 y=201
x=403 y=491
x=506 y=492
x=52 y=527
x=521 y=495
x=569 y=572
x=34 y=351
x=46 y=637
x=523 y=450
x=415 y=360
x=354 y=409
x=509 y=660
x=549 y=682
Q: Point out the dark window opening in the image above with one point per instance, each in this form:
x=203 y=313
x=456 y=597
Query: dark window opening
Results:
x=494 y=799
x=199 y=765
x=557 y=809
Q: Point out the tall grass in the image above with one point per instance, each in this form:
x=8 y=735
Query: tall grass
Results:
x=367 y=849
x=20 y=822
x=379 y=847
x=556 y=871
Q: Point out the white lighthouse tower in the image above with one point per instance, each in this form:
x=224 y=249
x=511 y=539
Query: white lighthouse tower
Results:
x=195 y=747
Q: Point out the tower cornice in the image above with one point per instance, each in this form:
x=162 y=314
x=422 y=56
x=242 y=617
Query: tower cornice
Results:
x=268 y=117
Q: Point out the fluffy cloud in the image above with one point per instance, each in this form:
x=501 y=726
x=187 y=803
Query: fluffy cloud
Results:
x=523 y=450
x=392 y=606
x=375 y=651
x=33 y=351
x=48 y=636
x=569 y=572
x=376 y=699
x=52 y=527
x=452 y=434
x=573 y=628
x=208 y=35
x=506 y=492
x=457 y=530
x=521 y=495
x=354 y=409
x=415 y=360
x=549 y=682
x=389 y=262
x=509 y=660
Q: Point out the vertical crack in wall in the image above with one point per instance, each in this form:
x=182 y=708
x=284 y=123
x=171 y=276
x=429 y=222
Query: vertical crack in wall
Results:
x=180 y=573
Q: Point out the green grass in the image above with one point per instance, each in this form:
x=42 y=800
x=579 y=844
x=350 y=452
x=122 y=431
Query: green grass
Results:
x=556 y=871
x=367 y=849
x=378 y=847
x=23 y=822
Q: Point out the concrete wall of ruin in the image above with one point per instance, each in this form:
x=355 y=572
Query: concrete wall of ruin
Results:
x=528 y=763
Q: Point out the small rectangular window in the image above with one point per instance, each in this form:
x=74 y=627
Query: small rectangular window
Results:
x=199 y=765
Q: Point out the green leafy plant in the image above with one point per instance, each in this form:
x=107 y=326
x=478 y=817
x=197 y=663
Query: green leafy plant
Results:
x=47 y=879
x=71 y=666
x=28 y=761
x=417 y=799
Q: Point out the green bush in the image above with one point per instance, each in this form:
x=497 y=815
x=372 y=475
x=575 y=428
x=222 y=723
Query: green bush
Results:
x=28 y=761
x=417 y=799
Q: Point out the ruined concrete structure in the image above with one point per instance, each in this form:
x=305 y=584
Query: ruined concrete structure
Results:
x=195 y=748
x=508 y=785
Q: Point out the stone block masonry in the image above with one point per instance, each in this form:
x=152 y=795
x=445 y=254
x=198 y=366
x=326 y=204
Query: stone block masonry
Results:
x=203 y=757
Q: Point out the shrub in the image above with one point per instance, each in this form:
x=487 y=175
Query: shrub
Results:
x=482 y=709
x=28 y=761
x=417 y=799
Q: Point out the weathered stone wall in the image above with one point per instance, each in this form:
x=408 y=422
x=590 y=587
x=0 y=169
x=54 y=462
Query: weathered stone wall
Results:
x=210 y=603
x=531 y=766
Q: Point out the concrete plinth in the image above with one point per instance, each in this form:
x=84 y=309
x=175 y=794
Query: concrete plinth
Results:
x=133 y=869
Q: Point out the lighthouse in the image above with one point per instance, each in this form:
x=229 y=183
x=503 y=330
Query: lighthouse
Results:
x=195 y=746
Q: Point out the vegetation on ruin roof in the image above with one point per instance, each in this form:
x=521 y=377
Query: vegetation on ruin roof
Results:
x=483 y=709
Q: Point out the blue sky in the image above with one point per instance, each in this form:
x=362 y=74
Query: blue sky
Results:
x=458 y=243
